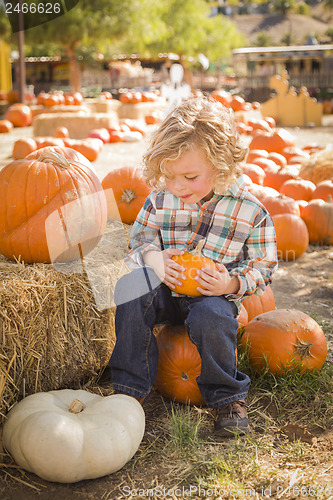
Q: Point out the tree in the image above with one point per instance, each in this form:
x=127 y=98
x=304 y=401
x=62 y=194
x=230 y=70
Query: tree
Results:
x=328 y=5
x=283 y=6
x=182 y=27
x=88 y=23
x=263 y=39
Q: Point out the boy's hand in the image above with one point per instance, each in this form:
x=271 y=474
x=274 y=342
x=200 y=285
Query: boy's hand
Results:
x=165 y=268
x=216 y=282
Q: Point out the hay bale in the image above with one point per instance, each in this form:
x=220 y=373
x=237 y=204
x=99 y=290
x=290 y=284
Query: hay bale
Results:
x=98 y=105
x=39 y=109
x=79 y=124
x=139 y=110
x=57 y=323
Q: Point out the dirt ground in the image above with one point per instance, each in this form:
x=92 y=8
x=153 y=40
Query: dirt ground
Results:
x=306 y=284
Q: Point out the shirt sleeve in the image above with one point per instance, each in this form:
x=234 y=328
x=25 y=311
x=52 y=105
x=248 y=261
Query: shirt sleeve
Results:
x=145 y=235
x=260 y=261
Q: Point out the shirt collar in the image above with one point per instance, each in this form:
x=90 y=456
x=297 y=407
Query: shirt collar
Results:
x=237 y=189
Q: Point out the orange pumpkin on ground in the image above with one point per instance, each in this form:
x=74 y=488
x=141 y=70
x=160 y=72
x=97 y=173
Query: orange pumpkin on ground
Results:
x=281 y=205
x=275 y=141
x=318 y=216
x=292 y=236
x=61 y=132
x=5 y=126
x=262 y=192
x=323 y=190
x=256 y=173
x=23 y=147
x=192 y=261
x=125 y=190
x=256 y=153
x=52 y=209
x=19 y=114
x=276 y=179
x=258 y=304
x=266 y=164
x=284 y=339
x=278 y=158
x=90 y=147
x=298 y=189
x=179 y=365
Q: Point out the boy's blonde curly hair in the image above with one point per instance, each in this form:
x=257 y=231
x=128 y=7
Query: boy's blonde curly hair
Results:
x=196 y=123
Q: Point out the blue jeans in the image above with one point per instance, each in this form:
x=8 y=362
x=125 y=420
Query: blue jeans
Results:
x=143 y=301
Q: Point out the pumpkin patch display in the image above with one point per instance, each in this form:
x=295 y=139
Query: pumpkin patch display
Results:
x=292 y=236
x=192 y=261
x=125 y=191
x=323 y=190
x=70 y=435
x=284 y=339
x=52 y=208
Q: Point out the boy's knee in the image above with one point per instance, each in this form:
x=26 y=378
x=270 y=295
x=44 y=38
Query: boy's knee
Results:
x=135 y=284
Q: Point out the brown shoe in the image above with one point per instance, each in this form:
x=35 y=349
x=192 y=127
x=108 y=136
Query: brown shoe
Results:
x=231 y=418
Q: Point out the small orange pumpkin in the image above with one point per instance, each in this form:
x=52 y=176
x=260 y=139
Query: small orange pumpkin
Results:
x=23 y=147
x=292 y=236
x=125 y=190
x=5 y=126
x=192 y=261
x=19 y=114
x=258 y=304
x=284 y=339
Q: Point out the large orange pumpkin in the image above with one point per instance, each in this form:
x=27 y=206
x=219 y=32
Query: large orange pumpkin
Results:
x=284 y=339
x=318 y=216
x=192 y=261
x=19 y=114
x=292 y=236
x=275 y=141
x=125 y=191
x=258 y=304
x=179 y=365
x=52 y=208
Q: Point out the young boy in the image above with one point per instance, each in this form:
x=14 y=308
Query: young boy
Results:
x=193 y=164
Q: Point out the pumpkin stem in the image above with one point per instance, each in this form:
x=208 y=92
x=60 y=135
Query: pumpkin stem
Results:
x=184 y=376
x=76 y=406
x=197 y=252
x=128 y=196
x=302 y=348
x=54 y=157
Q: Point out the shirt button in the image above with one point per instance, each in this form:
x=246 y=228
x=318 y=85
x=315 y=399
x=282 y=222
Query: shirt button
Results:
x=173 y=218
x=191 y=246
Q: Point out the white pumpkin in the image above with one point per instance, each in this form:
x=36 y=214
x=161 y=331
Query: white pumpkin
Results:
x=70 y=435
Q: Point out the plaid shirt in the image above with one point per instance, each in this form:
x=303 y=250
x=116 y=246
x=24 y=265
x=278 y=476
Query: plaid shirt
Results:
x=237 y=229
